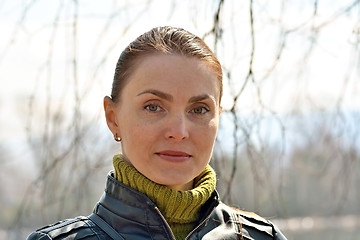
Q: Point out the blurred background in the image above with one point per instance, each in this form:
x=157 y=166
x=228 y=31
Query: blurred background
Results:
x=288 y=147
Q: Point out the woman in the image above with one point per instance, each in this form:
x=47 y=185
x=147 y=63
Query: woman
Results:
x=164 y=109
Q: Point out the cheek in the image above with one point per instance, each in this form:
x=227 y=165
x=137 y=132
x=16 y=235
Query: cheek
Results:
x=132 y=123
x=213 y=127
x=141 y=133
x=136 y=141
x=207 y=135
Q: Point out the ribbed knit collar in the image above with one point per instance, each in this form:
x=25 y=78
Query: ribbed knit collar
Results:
x=180 y=208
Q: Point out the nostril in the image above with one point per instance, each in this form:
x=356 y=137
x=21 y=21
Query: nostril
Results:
x=179 y=137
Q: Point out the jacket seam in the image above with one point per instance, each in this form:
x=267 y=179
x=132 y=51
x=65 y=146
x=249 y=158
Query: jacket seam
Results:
x=92 y=229
x=112 y=212
x=147 y=225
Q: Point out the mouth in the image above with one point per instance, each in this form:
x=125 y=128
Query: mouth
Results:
x=174 y=156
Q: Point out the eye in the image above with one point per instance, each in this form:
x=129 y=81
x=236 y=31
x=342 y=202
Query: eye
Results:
x=152 y=108
x=200 y=110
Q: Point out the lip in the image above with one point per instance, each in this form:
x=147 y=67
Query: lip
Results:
x=174 y=156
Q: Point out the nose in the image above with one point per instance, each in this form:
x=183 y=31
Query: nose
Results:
x=177 y=128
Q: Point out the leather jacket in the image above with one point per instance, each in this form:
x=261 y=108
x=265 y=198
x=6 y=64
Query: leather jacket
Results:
x=134 y=216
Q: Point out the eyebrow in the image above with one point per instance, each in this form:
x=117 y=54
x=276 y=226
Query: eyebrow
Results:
x=170 y=98
x=199 y=98
x=158 y=93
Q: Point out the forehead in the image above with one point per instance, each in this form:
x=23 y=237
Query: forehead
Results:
x=169 y=71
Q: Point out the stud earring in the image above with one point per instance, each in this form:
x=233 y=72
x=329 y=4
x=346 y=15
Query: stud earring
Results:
x=117 y=138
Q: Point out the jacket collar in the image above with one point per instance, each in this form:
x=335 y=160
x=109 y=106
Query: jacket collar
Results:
x=121 y=202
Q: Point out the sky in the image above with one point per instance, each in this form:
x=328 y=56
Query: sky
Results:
x=30 y=67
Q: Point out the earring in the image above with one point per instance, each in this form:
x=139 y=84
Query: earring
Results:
x=116 y=138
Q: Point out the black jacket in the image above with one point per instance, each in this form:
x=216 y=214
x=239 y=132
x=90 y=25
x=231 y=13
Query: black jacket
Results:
x=134 y=216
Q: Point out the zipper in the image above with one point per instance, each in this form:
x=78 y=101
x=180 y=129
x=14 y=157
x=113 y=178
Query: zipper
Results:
x=202 y=222
x=194 y=230
x=165 y=222
x=198 y=226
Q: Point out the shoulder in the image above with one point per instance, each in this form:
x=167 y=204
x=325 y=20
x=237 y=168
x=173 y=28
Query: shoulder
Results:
x=250 y=224
x=76 y=228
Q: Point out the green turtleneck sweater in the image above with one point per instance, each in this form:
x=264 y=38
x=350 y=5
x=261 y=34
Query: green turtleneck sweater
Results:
x=181 y=209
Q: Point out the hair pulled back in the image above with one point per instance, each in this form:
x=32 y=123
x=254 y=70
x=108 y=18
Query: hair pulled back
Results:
x=165 y=40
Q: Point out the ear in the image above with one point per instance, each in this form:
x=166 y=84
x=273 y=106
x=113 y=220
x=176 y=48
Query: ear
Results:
x=110 y=115
x=220 y=110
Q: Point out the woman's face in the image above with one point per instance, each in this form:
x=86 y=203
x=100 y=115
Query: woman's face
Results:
x=167 y=117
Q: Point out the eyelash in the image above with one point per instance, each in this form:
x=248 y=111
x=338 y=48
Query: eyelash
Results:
x=148 y=106
x=203 y=109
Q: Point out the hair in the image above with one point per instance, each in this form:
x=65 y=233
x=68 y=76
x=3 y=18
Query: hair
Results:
x=163 y=40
